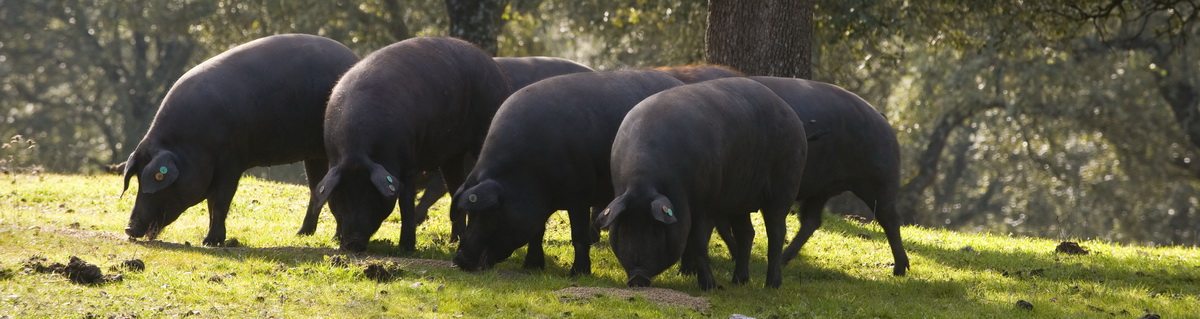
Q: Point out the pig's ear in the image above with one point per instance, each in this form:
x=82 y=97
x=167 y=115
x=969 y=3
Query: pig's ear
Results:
x=389 y=186
x=324 y=188
x=484 y=195
x=130 y=169
x=662 y=210
x=160 y=172
x=610 y=213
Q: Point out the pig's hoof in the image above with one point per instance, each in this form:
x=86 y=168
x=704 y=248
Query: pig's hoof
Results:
x=213 y=241
x=580 y=272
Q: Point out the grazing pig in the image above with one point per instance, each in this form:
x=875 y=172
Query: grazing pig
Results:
x=422 y=104
x=835 y=118
x=524 y=71
x=434 y=188
x=258 y=104
x=547 y=149
x=695 y=155
x=521 y=72
x=699 y=73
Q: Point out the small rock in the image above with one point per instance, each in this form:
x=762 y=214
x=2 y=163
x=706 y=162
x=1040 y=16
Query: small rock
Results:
x=232 y=242
x=739 y=316
x=416 y=285
x=113 y=278
x=1071 y=248
x=136 y=265
x=221 y=278
x=1024 y=305
x=967 y=249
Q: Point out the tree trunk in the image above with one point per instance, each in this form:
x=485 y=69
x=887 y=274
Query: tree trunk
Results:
x=772 y=37
x=476 y=21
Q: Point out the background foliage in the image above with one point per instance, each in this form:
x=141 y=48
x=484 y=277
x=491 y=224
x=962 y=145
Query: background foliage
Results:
x=1048 y=118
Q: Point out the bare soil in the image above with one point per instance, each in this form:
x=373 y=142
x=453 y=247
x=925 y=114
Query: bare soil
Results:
x=77 y=270
x=662 y=296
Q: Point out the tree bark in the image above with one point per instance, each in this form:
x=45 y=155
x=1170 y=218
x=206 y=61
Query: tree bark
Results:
x=772 y=37
x=476 y=21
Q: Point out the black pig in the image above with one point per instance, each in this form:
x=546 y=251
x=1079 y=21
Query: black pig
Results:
x=524 y=71
x=699 y=73
x=547 y=149
x=852 y=148
x=422 y=104
x=694 y=155
x=258 y=104
x=521 y=72
x=833 y=118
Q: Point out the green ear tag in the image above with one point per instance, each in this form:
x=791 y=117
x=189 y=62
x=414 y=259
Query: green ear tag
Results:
x=162 y=169
x=389 y=178
x=669 y=212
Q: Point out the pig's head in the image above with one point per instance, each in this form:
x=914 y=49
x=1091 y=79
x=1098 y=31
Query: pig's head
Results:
x=647 y=234
x=497 y=225
x=167 y=185
x=360 y=196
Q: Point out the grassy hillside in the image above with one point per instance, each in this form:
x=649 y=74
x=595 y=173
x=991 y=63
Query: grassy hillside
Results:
x=844 y=272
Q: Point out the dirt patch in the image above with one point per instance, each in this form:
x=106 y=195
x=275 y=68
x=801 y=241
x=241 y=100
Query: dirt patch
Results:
x=421 y=262
x=660 y=296
x=220 y=279
x=349 y=260
x=382 y=271
x=77 y=270
x=1070 y=248
x=76 y=233
x=386 y=269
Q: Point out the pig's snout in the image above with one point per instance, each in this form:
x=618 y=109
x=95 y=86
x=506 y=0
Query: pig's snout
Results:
x=354 y=243
x=136 y=229
x=134 y=233
x=638 y=278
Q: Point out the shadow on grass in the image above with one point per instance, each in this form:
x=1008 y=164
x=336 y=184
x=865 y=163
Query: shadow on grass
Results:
x=1043 y=264
x=293 y=255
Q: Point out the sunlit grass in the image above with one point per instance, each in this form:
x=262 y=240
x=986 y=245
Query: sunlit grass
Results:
x=845 y=270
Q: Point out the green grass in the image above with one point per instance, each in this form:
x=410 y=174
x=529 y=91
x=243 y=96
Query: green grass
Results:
x=844 y=272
